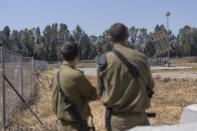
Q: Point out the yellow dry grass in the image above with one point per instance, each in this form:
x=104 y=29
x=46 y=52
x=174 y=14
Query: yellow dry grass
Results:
x=193 y=64
x=41 y=106
x=171 y=96
x=187 y=61
x=178 y=71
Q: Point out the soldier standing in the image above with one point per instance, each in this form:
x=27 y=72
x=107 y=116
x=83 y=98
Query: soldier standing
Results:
x=71 y=92
x=124 y=83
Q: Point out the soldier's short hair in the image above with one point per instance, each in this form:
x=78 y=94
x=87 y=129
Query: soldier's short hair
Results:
x=118 y=32
x=69 y=51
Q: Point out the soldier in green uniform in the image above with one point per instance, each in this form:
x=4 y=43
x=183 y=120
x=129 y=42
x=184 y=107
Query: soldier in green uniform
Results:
x=126 y=93
x=71 y=92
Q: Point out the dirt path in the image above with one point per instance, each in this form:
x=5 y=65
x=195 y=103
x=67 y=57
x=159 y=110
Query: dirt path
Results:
x=92 y=71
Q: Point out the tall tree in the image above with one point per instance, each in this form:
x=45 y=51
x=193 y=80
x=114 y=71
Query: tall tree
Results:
x=103 y=44
x=16 y=41
x=63 y=35
x=6 y=37
x=185 y=39
x=142 y=39
x=83 y=41
x=133 y=31
x=47 y=40
x=193 y=44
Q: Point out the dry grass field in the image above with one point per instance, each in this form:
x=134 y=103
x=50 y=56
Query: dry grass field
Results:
x=171 y=96
x=177 y=71
x=186 y=61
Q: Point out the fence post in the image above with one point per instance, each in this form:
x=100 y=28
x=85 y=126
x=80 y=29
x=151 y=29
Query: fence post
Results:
x=3 y=91
x=32 y=75
x=21 y=76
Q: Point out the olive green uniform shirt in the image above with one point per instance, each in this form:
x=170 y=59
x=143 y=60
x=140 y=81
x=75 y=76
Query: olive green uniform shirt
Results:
x=77 y=89
x=118 y=88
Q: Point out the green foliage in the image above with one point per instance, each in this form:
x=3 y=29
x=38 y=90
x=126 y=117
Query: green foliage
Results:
x=46 y=45
x=186 y=43
x=83 y=41
x=133 y=36
x=102 y=43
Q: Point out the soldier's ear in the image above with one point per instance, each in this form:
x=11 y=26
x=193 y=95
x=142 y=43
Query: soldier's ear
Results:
x=76 y=60
x=78 y=57
x=61 y=56
x=110 y=38
x=127 y=37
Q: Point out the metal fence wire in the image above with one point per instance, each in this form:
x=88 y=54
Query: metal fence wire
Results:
x=1 y=79
x=21 y=73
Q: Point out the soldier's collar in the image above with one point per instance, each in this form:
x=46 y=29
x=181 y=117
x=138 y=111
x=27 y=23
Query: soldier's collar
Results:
x=68 y=65
x=118 y=45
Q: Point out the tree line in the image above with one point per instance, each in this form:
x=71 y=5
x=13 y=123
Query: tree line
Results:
x=46 y=45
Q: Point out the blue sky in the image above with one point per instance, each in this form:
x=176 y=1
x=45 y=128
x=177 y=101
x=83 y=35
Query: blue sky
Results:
x=94 y=16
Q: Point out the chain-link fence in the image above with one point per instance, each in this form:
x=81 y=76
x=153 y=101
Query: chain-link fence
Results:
x=21 y=73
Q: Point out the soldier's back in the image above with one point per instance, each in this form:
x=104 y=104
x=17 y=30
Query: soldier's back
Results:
x=124 y=92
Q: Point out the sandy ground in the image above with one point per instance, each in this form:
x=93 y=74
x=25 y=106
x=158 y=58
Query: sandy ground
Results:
x=171 y=96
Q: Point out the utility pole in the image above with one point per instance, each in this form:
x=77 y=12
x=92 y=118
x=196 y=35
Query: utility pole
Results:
x=167 y=15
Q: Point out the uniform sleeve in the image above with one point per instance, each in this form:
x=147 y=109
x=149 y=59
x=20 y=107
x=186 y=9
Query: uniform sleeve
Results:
x=54 y=95
x=150 y=82
x=100 y=86
x=85 y=88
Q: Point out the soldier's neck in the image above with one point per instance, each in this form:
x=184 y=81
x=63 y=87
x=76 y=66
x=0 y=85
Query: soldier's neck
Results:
x=119 y=43
x=72 y=63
